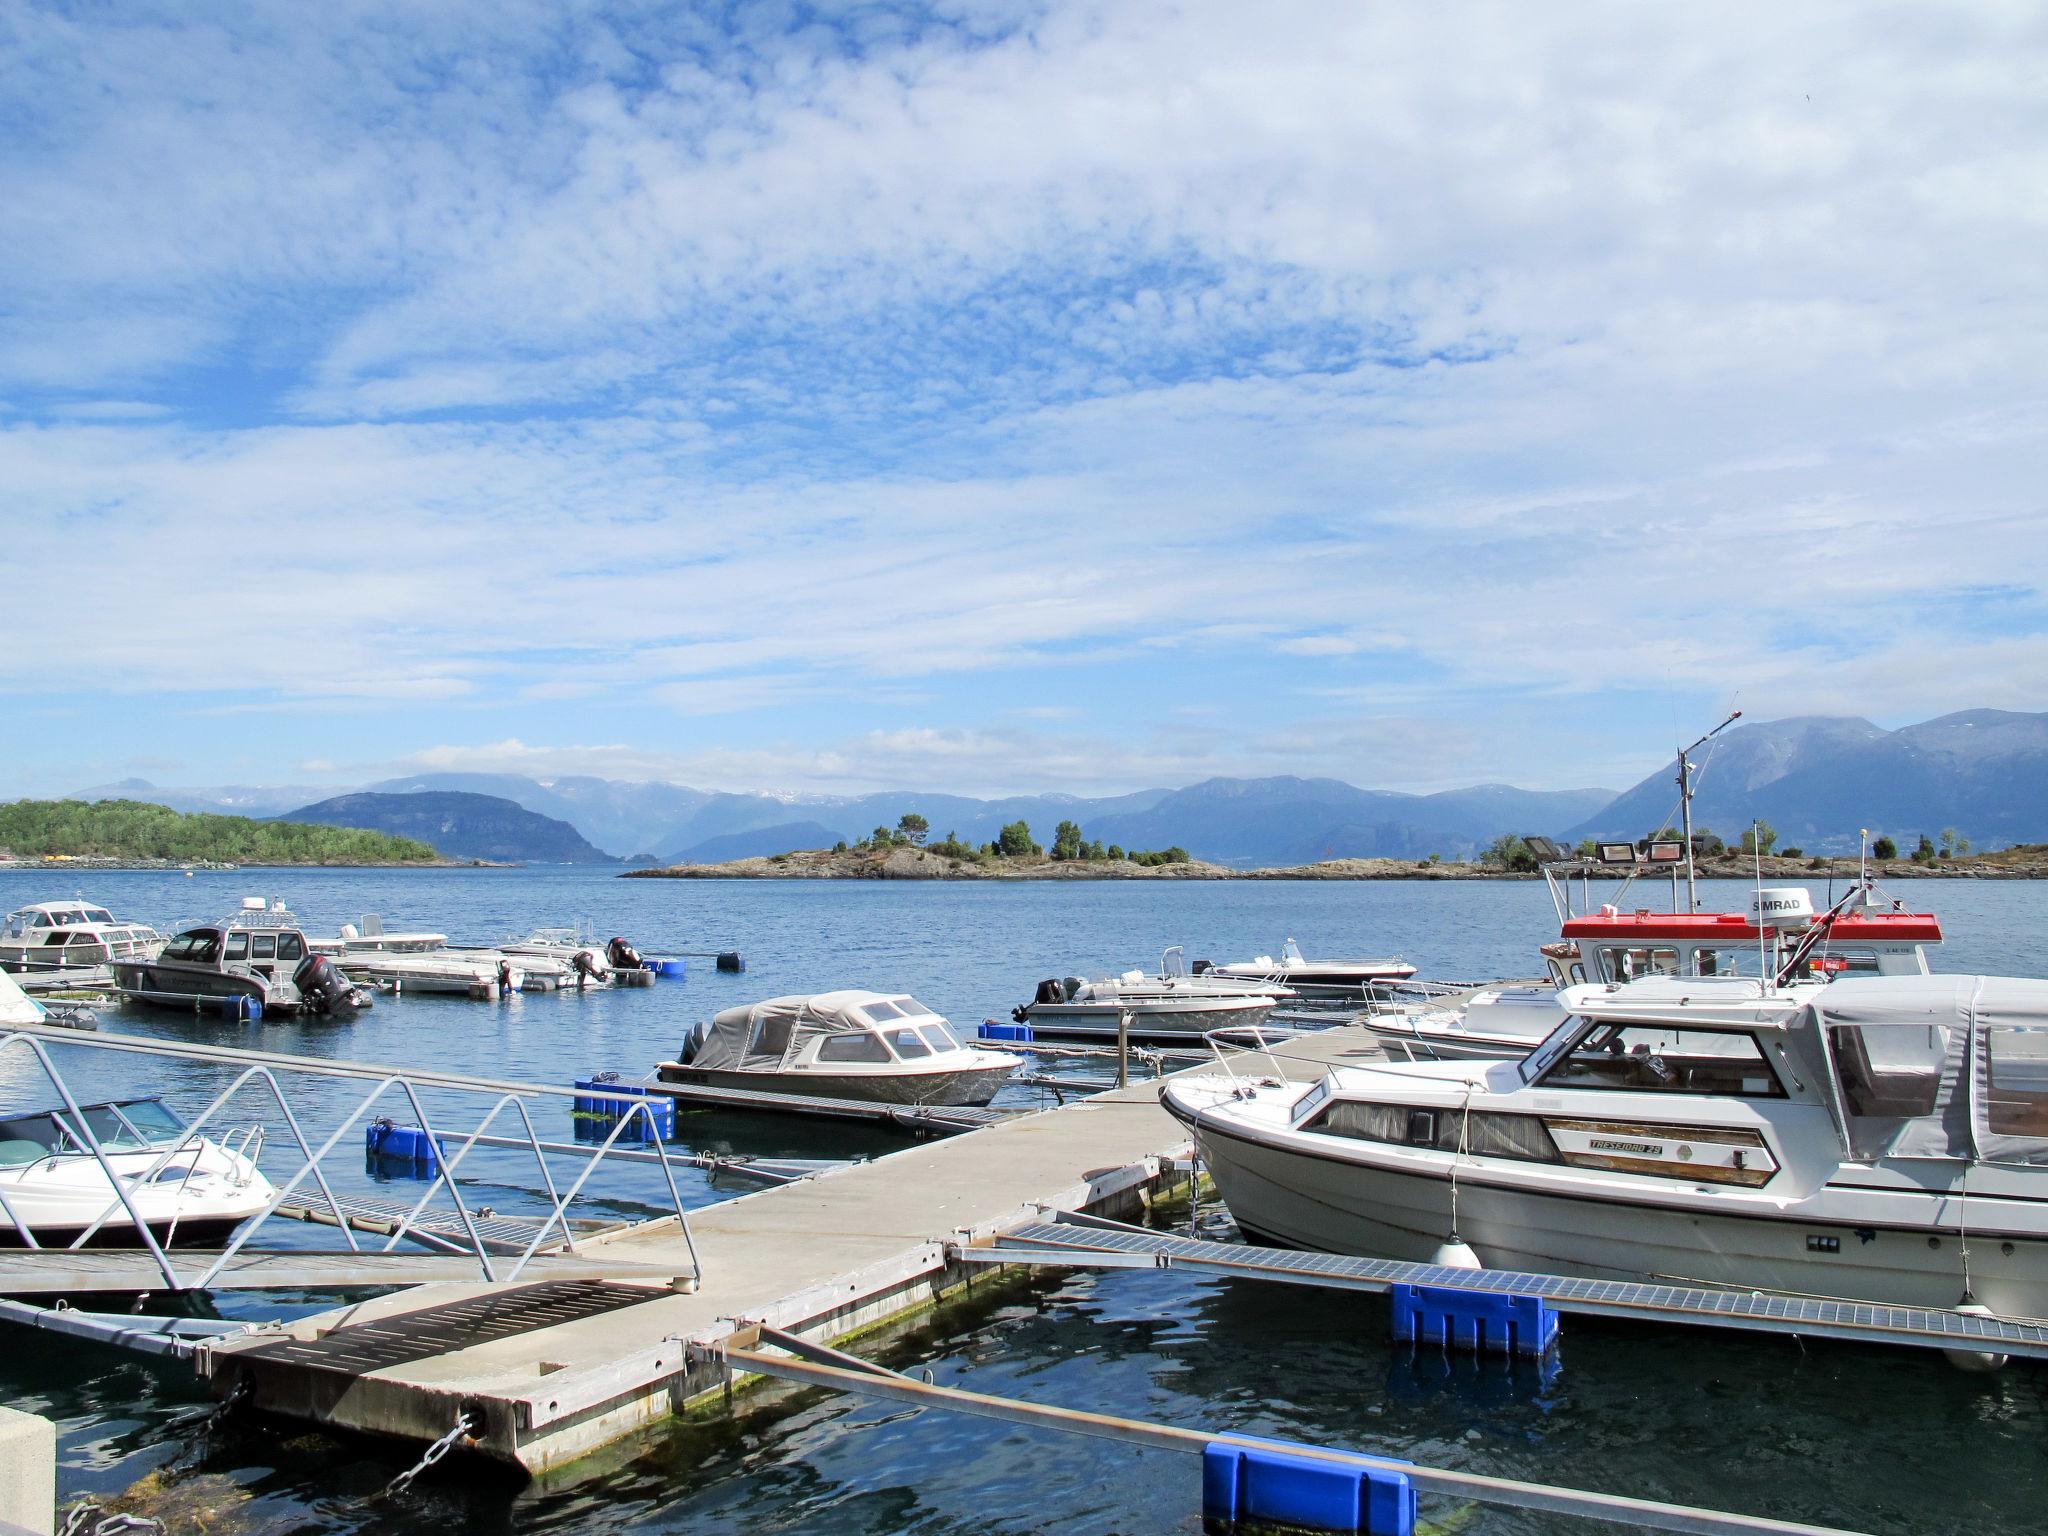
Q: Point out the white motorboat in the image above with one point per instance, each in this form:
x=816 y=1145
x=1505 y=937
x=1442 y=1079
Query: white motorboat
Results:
x=876 y=1047
x=1781 y=936
x=1880 y=1138
x=1170 y=1006
x=252 y=962
x=587 y=960
x=55 y=1191
x=1315 y=978
x=419 y=961
x=371 y=937
x=71 y=935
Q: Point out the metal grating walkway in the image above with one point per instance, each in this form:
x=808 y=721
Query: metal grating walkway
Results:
x=358 y=1348
x=1863 y=1322
x=499 y=1234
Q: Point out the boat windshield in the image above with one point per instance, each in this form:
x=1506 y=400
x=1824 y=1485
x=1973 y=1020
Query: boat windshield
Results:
x=1655 y=1058
x=1555 y=1044
x=939 y=1035
x=201 y=945
x=908 y=1044
x=26 y=1138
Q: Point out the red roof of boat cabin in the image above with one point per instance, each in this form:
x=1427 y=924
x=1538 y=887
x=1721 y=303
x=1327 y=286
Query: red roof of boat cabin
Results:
x=1731 y=927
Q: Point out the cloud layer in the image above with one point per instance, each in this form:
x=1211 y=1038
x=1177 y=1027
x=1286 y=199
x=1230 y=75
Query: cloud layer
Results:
x=1440 y=393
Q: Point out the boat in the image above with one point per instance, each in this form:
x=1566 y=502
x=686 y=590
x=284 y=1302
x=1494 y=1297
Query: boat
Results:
x=1881 y=1138
x=876 y=1047
x=253 y=962
x=1781 y=935
x=71 y=935
x=55 y=1191
x=1170 y=1006
x=371 y=938
x=1314 y=978
x=588 y=961
x=420 y=961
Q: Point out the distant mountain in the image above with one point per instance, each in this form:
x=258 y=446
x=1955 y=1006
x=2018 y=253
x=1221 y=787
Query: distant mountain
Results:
x=617 y=815
x=1290 y=820
x=221 y=800
x=1818 y=779
x=460 y=825
x=760 y=843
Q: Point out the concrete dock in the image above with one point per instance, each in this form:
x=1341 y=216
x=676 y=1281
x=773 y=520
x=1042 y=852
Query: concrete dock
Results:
x=550 y=1372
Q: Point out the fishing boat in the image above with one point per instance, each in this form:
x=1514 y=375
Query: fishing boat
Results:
x=876 y=1047
x=94 y=1178
x=71 y=935
x=1169 y=1006
x=1314 y=978
x=1874 y=1137
x=253 y=962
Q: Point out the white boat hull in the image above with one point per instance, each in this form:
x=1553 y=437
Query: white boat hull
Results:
x=1174 y=1018
x=1296 y=1199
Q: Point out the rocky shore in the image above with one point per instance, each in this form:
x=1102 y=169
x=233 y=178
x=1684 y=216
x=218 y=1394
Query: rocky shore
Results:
x=922 y=864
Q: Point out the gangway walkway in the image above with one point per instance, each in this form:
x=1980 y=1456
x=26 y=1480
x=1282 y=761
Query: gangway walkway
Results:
x=1089 y=1243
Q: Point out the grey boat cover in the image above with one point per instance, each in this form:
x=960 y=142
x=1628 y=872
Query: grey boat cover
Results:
x=760 y=1036
x=1939 y=1066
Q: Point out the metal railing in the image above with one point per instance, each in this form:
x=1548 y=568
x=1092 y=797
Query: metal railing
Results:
x=262 y=1068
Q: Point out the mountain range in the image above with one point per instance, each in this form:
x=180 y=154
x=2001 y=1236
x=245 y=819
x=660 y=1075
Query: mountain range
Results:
x=458 y=826
x=1816 y=779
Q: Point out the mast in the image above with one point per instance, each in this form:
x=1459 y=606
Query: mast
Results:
x=1692 y=896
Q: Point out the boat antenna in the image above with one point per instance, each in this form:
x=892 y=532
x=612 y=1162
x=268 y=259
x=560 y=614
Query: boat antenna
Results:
x=1685 y=770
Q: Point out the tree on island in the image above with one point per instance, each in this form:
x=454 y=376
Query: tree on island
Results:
x=1953 y=843
x=1761 y=838
x=912 y=829
x=1066 y=840
x=1884 y=848
x=1510 y=853
x=1014 y=841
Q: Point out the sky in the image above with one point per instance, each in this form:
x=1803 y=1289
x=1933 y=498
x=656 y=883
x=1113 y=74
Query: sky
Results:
x=998 y=398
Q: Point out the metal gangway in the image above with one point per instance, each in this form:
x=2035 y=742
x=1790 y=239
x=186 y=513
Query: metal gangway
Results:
x=463 y=1240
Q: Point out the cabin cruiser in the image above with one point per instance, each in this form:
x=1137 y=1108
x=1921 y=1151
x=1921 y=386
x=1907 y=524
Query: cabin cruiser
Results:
x=1874 y=1137
x=254 y=961
x=55 y=1191
x=1314 y=978
x=878 y=1047
x=71 y=935
x=1172 y=1005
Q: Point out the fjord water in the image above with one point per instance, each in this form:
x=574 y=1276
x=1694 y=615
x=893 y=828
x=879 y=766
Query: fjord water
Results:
x=1888 y=1442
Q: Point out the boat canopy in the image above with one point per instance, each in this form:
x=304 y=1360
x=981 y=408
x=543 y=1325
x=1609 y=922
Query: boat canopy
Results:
x=1938 y=1066
x=760 y=1036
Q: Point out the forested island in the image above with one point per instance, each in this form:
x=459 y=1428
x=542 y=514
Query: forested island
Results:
x=131 y=829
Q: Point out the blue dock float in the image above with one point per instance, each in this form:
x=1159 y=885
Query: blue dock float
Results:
x=400 y=1148
x=1272 y=1482
x=602 y=1098
x=1487 y=1323
x=667 y=967
x=1015 y=1034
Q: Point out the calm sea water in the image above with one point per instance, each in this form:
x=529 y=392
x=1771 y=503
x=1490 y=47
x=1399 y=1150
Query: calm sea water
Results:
x=1887 y=1442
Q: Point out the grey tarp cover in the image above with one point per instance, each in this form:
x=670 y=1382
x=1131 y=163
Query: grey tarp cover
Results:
x=1991 y=1102
x=728 y=1041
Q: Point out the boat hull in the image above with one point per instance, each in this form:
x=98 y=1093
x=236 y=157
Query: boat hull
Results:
x=192 y=1232
x=973 y=1086
x=191 y=988
x=1291 y=1198
x=1157 y=1021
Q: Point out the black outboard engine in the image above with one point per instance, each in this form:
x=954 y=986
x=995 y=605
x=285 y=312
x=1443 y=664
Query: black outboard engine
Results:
x=325 y=990
x=622 y=956
x=1049 y=991
x=1204 y=967
x=692 y=1043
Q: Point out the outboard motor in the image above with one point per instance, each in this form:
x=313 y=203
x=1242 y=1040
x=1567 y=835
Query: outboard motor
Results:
x=693 y=1042
x=1204 y=967
x=622 y=956
x=325 y=990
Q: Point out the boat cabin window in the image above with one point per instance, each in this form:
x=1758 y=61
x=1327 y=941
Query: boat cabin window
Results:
x=1823 y=965
x=911 y=1008
x=1889 y=1071
x=1446 y=1130
x=98 y=915
x=262 y=946
x=771 y=1036
x=202 y=945
x=861 y=1047
x=908 y=1044
x=2017 y=1103
x=881 y=1012
x=1654 y=1058
x=1619 y=963
x=938 y=1034
x=238 y=946
x=290 y=947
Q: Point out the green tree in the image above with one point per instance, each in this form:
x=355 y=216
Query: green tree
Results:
x=1116 y=852
x=1014 y=841
x=1795 y=853
x=1589 y=848
x=1510 y=853
x=912 y=829
x=1066 y=840
x=1884 y=848
x=1761 y=838
x=1923 y=853
x=840 y=846
x=1953 y=843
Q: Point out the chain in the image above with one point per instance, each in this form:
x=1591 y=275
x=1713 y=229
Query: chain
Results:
x=466 y=1424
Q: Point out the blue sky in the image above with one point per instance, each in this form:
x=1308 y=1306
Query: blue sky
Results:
x=999 y=398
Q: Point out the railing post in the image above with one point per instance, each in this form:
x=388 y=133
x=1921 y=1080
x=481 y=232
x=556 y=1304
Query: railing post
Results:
x=1123 y=1048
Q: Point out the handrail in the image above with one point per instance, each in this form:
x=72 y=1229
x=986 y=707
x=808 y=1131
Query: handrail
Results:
x=263 y=1067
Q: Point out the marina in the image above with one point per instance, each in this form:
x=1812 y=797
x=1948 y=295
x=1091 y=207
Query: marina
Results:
x=918 y=1229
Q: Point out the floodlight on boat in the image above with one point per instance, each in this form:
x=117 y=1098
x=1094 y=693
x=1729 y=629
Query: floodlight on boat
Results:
x=1615 y=853
x=1544 y=849
x=1666 y=853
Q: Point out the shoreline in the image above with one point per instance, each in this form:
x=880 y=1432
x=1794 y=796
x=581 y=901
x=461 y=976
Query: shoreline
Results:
x=920 y=864
x=104 y=864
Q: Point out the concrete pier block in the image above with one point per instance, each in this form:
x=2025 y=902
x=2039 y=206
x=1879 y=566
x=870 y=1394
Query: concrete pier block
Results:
x=28 y=1472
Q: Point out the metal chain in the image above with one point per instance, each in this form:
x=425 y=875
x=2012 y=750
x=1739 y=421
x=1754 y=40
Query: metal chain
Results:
x=465 y=1425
